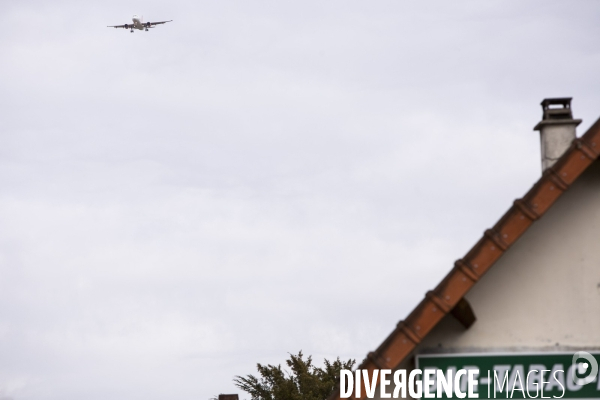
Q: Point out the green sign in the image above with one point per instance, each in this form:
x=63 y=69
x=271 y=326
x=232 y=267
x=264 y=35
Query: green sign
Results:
x=519 y=375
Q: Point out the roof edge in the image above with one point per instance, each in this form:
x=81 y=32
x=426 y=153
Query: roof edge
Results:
x=484 y=254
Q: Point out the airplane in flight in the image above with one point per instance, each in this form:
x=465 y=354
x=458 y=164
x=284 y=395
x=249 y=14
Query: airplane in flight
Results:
x=138 y=23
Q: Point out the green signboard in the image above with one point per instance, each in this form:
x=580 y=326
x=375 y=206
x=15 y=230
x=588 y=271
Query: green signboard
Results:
x=520 y=375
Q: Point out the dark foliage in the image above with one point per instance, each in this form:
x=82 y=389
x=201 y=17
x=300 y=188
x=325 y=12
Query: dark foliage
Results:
x=304 y=381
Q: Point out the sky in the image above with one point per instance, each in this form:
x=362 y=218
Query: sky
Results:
x=255 y=178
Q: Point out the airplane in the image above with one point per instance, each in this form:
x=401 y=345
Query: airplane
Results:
x=138 y=23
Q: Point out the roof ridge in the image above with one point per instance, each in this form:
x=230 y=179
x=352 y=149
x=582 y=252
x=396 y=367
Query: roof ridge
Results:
x=495 y=241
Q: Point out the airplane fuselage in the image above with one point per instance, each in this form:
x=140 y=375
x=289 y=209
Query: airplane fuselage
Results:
x=138 y=23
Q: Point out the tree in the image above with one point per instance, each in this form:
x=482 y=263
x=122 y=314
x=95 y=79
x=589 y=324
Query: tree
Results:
x=304 y=381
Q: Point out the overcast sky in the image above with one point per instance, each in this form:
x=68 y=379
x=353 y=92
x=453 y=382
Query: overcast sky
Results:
x=255 y=177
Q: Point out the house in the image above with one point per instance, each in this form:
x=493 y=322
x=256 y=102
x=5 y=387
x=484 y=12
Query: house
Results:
x=526 y=297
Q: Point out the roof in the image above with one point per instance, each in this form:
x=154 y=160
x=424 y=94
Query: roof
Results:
x=482 y=256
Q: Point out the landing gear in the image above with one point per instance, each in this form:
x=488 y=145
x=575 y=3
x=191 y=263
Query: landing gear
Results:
x=132 y=31
x=146 y=29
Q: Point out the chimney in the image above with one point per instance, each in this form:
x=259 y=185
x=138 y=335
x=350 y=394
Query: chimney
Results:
x=229 y=397
x=557 y=129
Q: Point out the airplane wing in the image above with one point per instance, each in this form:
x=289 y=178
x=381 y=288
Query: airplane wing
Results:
x=146 y=24
x=156 y=23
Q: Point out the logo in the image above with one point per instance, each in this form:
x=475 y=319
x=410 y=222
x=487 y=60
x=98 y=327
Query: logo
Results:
x=588 y=368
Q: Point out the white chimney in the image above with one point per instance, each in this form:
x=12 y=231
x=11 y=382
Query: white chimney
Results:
x=557 y=129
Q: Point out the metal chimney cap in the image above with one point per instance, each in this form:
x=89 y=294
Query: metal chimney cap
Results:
x=557 y=115
x=565 y=101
